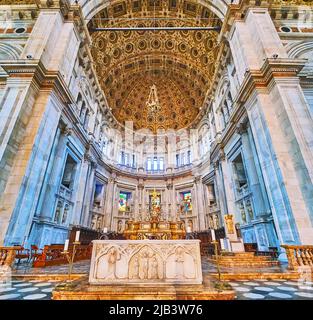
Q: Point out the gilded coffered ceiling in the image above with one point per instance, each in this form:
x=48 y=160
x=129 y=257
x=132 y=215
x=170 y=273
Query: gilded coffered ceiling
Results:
x=180 y=63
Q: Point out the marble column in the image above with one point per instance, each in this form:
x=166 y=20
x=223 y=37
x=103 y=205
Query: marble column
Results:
x=200 y=203
x=260 y=201
x=109 y=203
x=23 y=188
x=80 y=186
x=227 y=201
x=281 y=124
x=90 y=187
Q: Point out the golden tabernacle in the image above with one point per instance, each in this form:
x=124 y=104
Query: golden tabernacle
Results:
x=154 y=228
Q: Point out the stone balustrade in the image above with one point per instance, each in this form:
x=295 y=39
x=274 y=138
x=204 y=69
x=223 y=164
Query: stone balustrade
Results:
x=7 y=255
x=299 y=256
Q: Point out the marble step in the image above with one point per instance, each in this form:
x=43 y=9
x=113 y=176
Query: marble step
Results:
x=255 y=258
x=247 y=263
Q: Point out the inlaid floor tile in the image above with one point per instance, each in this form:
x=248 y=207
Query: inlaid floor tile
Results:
x=265 y=289
x=286 y=288
x=27 y=290
x=280 y=295
x=9 y=296
x=35 y=296
x=253 y=296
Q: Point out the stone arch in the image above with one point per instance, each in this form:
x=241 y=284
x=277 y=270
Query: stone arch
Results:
x=302 y=50
x=92 y=7
x=222 y=84
x=298 y=49
x=9 y=52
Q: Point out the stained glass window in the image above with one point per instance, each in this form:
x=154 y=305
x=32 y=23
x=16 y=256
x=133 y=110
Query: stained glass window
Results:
x=186 y=197
x=122 y=205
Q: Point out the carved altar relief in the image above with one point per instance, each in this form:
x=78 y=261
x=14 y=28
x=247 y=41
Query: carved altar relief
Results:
x=146 y=261
x=110 y=264
x=181 y=265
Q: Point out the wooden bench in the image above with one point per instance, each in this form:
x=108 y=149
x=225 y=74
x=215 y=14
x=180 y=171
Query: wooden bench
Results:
x=21 y=254
x=52 y=255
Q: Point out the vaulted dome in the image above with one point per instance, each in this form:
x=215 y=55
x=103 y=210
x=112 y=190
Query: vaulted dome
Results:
x=180 y=63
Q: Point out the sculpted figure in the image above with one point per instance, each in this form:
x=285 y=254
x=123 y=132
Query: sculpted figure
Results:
x=135 y=270
x=179 y=259
x=153 y=268
x=113 y=257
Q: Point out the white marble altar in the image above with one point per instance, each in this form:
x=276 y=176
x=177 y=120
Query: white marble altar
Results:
x=145 y=262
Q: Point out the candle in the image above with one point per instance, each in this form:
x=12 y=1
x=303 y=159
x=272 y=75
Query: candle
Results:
x=188 y=229
x=213 y=235
x=105 y=230
x=66 y=245
x=228 y=245
x=222 y=244
x=77 y=236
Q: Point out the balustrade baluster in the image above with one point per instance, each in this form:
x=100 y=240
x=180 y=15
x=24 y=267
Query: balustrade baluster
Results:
x=299 y=257
x=307 y=256
x=303 y=256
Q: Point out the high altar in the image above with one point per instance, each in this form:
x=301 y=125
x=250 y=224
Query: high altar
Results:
x=154 y=227
x=155 y=262
x=155 y=252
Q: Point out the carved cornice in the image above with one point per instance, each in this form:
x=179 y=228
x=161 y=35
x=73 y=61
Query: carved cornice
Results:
x=272 y=69
x=34 y=70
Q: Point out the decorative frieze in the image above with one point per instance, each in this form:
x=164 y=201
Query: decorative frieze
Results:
x=145 y=262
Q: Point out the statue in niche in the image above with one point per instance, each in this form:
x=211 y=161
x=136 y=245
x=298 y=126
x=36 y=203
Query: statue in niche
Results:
x=211 y=223
x=215 y=221
x=113 y=257
x=249 y=208
x=119 y=226
x=243 y=212
x=93 y=222
x=179 y=259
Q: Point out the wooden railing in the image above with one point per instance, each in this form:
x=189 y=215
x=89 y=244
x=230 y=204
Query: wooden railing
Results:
x=7 y=255
x=299 y=256
x=52 y=255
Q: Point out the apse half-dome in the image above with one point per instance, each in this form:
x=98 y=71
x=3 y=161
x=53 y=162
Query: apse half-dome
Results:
x=180 y=63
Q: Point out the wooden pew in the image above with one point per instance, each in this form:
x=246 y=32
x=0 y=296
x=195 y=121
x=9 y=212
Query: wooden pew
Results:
x=52 y=255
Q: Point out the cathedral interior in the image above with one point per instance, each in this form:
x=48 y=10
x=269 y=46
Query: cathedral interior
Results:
x=119 y=118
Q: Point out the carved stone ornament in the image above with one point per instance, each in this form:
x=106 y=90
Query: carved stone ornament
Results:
x=145 y=261
x=229 y=223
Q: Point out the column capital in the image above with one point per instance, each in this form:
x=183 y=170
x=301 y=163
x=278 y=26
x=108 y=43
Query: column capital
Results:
x=222 y=155
x=242 y=127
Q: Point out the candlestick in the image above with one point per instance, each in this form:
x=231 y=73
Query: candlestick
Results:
x=70 y=255
x=213 y=234
x=66 y=244
x=77 y=236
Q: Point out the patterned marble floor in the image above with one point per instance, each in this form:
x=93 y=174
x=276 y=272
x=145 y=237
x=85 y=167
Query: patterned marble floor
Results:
x=272 y=290
x=245 y=290
x=27 y=290
x=84 y=266
x=78 y=267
